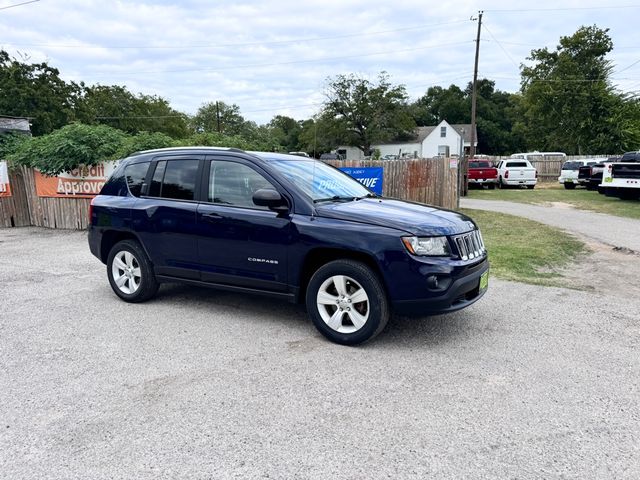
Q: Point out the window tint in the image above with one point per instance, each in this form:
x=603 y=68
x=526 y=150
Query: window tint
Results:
x=571 y=165
x=482 y=164
x=155 y=190
x=135 y=175
x=179 y=180
x=234 y=184
x=517 y=164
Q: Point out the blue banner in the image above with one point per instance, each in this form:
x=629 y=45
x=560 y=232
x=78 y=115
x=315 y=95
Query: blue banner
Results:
x=370 y=177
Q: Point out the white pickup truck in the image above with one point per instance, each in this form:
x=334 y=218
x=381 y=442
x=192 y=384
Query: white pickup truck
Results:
x=622 y=179
x=516 y=172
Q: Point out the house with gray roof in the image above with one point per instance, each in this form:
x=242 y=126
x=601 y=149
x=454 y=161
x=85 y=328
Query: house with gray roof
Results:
x=443 y=139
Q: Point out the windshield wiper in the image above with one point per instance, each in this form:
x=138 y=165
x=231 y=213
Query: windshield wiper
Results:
x=368 y=195
x=334 y=199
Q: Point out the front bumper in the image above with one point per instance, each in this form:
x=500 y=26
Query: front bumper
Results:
x=463 y=292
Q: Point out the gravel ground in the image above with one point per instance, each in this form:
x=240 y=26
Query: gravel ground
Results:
x=530 y=382
x=608 y=229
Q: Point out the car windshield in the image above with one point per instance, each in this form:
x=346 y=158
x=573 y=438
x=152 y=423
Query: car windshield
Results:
x=571 y=165
x=320 y=181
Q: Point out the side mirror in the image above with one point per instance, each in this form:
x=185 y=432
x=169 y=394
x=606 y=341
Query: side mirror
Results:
x=267 y=197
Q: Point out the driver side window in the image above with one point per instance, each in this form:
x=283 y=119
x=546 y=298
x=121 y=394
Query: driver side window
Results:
x=234 y=184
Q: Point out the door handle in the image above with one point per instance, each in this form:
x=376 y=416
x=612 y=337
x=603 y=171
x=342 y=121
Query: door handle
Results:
x=211 y=217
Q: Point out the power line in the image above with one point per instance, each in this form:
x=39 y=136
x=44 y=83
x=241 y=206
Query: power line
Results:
x=292 y=62
x=559 y=9
x=501 y=47
x=629 y=66
x=19 y=4
x=233 y=45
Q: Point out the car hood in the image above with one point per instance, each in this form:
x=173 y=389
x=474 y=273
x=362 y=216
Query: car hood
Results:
x=414 y=218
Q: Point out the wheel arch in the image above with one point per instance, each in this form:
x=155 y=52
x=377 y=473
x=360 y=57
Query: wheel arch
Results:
x=111 y=237
x=320 y=256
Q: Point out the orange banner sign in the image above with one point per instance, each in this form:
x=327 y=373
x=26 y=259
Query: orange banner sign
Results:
x=5 y=186
x=83 y=182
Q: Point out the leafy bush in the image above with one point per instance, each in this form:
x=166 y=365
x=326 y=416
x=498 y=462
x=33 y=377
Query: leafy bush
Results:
x=9 y=143
x=69 y=147
x=144 y=141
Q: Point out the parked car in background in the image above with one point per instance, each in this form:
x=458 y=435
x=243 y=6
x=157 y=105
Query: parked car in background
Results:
x=516 y=172
x=622 y=179
x=482 y=172
x=591 y=175
x=570 y=173
x=288 y=227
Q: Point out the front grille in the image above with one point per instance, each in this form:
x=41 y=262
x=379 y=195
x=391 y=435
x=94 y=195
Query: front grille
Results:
x=470 y=245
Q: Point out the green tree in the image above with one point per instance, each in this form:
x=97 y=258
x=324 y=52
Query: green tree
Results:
x=362 y=112
x=451 y=104
x=36 y=91
x=117 y=107
x=230 y=120
x=569 y=100
x=69 y=147
x=286 y=132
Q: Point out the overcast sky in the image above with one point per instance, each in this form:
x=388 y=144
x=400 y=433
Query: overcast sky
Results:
x=273 y=57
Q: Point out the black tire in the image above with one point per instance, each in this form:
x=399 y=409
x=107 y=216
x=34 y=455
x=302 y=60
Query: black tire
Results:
x=570 y=186
x=377 y=306
x=491 y=186
x=147 y=286
x=531 y=187
x=500 y=185
x=611 y=192
x=600 y=190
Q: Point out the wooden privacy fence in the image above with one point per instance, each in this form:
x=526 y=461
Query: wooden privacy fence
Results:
x=431 y=181
x=424 y=180
x=24 y=207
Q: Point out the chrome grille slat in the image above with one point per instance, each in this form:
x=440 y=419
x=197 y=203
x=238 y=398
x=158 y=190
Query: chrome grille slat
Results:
x=470 y=245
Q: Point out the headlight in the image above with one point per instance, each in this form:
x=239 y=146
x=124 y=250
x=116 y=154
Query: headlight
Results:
x=428 y=246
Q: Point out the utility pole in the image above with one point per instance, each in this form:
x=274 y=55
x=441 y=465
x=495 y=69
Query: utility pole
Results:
x=218 y=116
x=474 y=99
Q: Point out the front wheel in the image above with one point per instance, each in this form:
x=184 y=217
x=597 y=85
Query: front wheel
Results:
x=130 y=272
x=347 y=302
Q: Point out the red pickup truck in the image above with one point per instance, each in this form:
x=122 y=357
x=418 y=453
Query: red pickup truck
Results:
x=482 y=172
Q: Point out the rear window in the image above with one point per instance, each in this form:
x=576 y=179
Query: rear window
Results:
x=175 y=179
x=517 y=164
x=135 y=175
x=572 y=165
x=482 y=164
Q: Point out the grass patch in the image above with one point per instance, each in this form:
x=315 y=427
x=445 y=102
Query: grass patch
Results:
x=526 y=251
x=580 y=198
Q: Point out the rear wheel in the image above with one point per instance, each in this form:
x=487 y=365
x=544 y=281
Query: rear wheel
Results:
x=491 y=186
x=347 y=302
x=531 y=187
x=130 y=272
x=569 y=186
x=500 y=185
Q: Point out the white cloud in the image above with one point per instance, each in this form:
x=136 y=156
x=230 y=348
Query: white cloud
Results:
x=190 y=52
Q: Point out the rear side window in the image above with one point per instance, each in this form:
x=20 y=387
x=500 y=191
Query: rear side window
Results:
x=135 y=175
x=517 y=164
x=175 y=179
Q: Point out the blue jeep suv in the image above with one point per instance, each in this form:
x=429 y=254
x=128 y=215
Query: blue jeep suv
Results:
x=284 y=226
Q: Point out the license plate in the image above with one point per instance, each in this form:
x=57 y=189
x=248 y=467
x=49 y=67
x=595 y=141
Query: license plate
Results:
x=484 y=280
